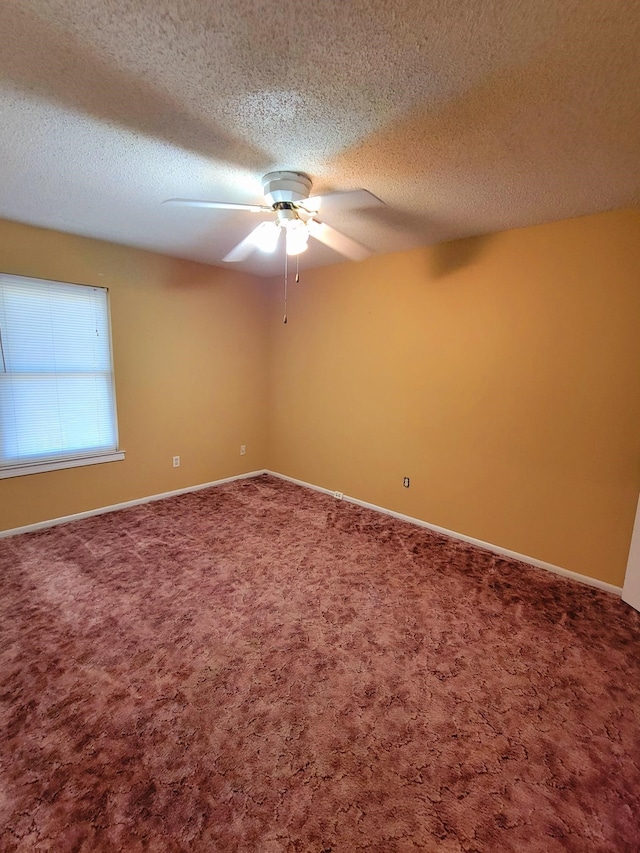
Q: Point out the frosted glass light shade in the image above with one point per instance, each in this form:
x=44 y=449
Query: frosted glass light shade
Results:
x=267 y=237
x=297 y=237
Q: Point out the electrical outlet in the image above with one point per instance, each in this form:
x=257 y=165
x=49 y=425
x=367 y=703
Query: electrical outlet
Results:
x=176 y=461
x=338 y=495
x=243 y=449
x=405 y=482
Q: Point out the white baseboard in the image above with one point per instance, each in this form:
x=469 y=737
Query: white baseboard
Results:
x=40 y=525
x=487 y=546
x=479 y=543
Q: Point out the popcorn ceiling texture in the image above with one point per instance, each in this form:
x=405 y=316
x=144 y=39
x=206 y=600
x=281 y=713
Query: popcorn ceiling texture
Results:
x=258 y=667
x=464 y=118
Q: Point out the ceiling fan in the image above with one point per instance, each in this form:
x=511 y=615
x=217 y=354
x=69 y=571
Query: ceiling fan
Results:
x=295 y=213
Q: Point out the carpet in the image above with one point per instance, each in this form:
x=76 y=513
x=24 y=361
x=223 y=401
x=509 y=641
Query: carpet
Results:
x=258 y=667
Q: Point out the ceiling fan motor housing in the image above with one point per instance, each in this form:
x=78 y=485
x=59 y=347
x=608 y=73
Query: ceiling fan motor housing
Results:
x=286 y=186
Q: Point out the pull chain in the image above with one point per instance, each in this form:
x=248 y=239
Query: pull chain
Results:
x=286 y=271
x=286 y=281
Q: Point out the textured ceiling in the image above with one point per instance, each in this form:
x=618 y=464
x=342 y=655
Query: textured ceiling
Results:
x=464 y=118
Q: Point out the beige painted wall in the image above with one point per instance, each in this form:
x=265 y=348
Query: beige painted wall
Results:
x=190 y=367
x=502 y=374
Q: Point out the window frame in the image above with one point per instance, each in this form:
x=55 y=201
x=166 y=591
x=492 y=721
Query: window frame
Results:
x=80 y=458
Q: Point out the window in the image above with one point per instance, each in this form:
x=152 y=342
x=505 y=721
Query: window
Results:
x=57 y=400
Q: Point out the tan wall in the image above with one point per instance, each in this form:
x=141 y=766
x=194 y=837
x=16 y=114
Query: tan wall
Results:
x=502 y=374
x=190 y=366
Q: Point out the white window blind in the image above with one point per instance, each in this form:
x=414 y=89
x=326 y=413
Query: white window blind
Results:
x=57 y=399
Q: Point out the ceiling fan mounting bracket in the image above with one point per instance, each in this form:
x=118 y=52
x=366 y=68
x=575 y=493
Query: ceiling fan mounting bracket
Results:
x=286 y=187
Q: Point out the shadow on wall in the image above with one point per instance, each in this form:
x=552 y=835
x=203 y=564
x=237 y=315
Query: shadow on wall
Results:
x=447 y=258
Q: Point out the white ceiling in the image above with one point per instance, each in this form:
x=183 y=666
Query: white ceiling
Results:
x=465 y=118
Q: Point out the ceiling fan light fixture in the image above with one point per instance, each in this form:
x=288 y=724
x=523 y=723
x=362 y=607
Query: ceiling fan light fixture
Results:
x=287 y=195
x=267 y=237
x=297 y=237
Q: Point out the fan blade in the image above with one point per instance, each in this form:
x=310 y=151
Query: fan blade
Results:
x=335 y=202
x=338 y=241
x=218 y=205
x=250 y=242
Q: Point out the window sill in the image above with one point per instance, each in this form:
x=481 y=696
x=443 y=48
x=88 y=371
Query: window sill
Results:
x=57 y=464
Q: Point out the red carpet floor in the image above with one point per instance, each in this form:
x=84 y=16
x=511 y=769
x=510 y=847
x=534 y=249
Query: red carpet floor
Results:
x=258 y=667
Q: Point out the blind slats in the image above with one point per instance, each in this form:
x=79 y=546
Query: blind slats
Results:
x=56 y=383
